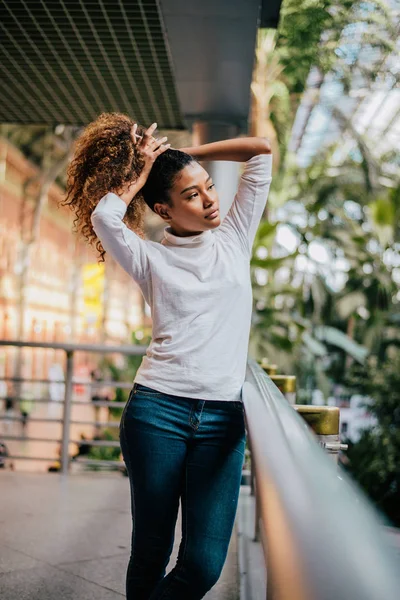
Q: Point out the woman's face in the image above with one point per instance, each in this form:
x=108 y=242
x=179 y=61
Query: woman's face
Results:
x=194 y=198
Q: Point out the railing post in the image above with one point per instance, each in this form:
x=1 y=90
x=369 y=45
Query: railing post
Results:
x=257 y=531
x=268 y=368
x=324 y=421
x=67 y=413
x=287 y=385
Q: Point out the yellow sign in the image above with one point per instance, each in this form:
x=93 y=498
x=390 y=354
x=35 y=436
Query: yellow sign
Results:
x=93 y=289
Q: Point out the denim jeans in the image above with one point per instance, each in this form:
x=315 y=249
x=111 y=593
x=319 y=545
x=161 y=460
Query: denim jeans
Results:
x=188 y=450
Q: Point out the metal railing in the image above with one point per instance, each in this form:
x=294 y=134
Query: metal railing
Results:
x=322 y=538
x=65 y=440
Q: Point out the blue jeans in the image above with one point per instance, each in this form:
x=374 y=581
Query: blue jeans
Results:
x=180 y=448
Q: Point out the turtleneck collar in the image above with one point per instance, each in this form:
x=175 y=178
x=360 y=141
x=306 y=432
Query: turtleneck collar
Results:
x=201 y=239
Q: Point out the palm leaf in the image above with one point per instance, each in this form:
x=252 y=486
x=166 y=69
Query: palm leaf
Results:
x=270 y=262
x=337 y=338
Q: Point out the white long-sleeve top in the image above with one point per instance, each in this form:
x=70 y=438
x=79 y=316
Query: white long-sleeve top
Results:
x=199 y=291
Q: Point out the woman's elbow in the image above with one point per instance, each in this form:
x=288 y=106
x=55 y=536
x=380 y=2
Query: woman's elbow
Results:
x=264 y=144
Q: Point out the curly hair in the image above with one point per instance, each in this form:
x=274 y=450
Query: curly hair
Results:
x=104 y=160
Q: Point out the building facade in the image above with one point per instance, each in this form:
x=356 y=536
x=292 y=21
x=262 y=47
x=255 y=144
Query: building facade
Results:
x=54 y=296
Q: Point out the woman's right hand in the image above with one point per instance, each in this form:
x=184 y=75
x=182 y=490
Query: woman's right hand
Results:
x=149 y=148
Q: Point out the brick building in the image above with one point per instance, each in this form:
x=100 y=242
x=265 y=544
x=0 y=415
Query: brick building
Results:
x=54 y=308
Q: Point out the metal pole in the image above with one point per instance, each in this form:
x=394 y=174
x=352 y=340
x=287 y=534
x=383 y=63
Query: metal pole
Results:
x=257 y=531
x=67 y=413
x=287 y=385
x=324 y=421
x=252 y=476
x=268 y=368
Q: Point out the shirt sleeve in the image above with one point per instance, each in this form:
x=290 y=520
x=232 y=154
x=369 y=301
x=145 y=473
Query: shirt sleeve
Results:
x=127 y=248
x=248 y=206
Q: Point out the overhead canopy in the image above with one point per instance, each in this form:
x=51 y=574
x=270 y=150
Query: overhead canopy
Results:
x=66 y=61
x=168 y=61
x=212 y=44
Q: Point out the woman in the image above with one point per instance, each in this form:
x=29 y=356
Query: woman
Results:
x=182 y=431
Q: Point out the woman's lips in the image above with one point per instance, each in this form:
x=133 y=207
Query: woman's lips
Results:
x=213 y=215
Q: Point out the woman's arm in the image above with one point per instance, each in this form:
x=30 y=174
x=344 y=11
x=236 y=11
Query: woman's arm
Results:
x=125 y=246
x=237 y=149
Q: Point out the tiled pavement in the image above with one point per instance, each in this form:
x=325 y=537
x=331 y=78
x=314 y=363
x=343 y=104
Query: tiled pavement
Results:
x=68 y=538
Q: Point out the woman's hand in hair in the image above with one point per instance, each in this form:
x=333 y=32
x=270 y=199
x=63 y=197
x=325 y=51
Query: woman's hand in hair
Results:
x=149 y=149
x=148 y=146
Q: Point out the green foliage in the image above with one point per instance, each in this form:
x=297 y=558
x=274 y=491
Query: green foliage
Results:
x=271 y=262
x=368 y=296
x=374 y=461
x=300 y=30
x=265 y=234
x=383 y=215
x=326 y=36
x=353 y=210
x=102 y=452
x=337 y=338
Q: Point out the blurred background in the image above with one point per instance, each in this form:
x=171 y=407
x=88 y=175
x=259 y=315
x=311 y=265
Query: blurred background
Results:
x=324 y=88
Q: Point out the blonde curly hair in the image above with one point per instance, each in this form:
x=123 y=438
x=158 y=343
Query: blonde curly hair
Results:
x=105 y=159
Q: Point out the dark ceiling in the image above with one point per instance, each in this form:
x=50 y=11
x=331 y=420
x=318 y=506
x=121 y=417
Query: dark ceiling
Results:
x=65 y=61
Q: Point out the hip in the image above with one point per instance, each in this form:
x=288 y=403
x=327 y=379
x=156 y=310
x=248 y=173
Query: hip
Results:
x=185 y=417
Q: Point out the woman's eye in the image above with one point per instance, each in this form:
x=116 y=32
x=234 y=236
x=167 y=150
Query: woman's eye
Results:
x=211 y=186
x=192 y=196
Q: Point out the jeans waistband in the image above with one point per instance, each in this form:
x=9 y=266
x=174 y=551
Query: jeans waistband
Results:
x=214 y=403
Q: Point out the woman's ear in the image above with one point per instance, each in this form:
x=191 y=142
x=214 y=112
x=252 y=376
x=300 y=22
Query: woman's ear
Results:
x=162 y=211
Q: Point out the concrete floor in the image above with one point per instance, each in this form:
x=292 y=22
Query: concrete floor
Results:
x=68 y=538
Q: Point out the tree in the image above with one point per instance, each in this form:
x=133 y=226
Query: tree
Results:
x=318 y=40
x=298 y=316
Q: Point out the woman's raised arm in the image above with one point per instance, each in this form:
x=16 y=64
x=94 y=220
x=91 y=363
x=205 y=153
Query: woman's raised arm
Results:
x=237 y=149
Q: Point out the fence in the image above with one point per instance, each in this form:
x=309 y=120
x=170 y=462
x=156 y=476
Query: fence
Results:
x=322 y=538
x=65 y=441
